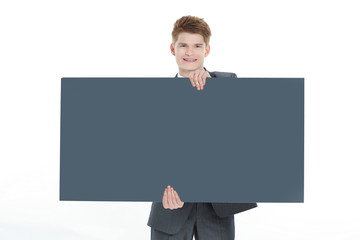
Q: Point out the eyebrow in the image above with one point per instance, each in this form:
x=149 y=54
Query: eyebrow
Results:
x=194 y=43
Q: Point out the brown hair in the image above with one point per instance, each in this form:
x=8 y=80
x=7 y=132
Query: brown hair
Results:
x=191 y=24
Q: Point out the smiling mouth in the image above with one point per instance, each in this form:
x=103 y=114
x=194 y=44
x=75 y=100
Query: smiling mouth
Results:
x=189 y=59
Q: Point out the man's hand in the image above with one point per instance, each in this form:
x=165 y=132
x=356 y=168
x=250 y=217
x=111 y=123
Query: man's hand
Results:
x=171 y=199
x=198 y=78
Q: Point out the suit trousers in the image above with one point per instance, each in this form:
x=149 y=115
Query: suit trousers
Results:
x=204 y=224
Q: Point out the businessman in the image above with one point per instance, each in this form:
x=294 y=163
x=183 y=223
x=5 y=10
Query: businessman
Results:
x=172 y=218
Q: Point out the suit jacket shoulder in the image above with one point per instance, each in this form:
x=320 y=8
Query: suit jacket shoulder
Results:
x=222 y=74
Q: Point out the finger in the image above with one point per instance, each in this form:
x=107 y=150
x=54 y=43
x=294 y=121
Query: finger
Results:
x=173 y=202
x=201 y=77
x=171 y=205
x=198 y=85
x=173 y=199
x=191 y=77
x=197 y=79
x=196 y=76
x=166 y=193
x=164 y=200
x=179 y=202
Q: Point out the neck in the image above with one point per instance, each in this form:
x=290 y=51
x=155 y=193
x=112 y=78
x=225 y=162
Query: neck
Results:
x=185 y=73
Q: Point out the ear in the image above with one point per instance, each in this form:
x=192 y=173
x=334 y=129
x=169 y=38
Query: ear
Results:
x=172 y=49
x=207 y=50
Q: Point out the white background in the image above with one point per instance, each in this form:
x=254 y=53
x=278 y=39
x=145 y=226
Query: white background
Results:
x=42 y=41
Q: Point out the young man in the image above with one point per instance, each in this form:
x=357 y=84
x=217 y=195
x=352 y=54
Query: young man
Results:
x=174 y=219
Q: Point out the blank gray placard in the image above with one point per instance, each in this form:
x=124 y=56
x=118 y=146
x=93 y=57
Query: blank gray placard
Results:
x=238 y=140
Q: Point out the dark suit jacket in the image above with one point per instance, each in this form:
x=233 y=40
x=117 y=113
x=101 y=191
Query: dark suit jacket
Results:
x=171 y=221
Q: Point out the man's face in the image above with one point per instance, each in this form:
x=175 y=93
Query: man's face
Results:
x=190 y=50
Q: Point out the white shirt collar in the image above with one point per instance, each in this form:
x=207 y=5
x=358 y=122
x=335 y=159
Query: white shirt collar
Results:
x=180 y=76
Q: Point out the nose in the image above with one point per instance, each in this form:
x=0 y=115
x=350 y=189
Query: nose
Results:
x=188 y=51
